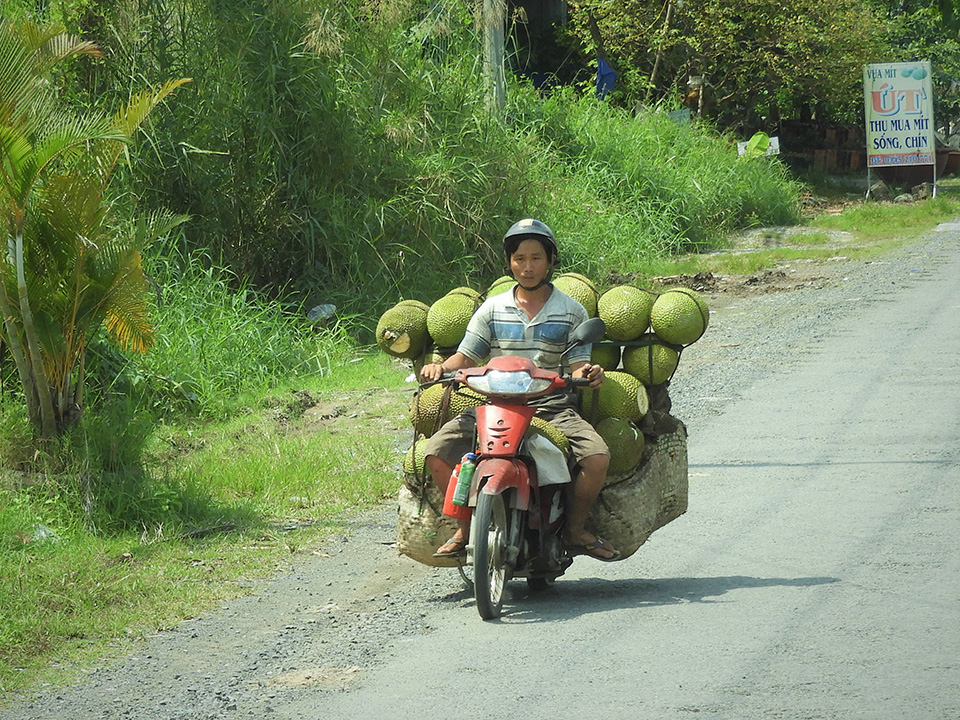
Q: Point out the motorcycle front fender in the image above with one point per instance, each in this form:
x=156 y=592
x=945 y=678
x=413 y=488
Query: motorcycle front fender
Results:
x=495 y=475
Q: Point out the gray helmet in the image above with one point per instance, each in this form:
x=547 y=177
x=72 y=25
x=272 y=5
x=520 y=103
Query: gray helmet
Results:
x=529 y=229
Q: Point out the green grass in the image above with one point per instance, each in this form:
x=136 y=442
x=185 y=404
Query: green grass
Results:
x=76 y=596
x=194 y=469
x=216 y=503
x=219 y=340
x=874 y=229
x=630 y=190
x=278 y=462
x=349 y=157
x=876 y=222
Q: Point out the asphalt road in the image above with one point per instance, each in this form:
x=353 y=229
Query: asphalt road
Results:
x=816 y=573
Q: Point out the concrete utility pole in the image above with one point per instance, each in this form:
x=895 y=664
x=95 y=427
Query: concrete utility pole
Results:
x=494 y=19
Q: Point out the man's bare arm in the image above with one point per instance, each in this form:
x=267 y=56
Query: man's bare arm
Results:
x=433 y=371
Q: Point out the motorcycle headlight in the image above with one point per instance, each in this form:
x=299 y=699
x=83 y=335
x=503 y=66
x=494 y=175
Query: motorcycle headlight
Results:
x=500 y=382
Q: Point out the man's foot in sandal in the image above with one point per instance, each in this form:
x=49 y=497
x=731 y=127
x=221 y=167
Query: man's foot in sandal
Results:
x=452 y=548
x=596 y=548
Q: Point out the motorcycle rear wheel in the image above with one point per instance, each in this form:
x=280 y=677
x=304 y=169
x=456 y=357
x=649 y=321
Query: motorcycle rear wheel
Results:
x=490 y=570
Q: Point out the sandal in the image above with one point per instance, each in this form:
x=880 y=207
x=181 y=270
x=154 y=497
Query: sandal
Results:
x=589 y=549
x=452 y=548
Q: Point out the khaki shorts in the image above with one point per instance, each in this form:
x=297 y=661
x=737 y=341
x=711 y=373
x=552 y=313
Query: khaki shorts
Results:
x=459 y=436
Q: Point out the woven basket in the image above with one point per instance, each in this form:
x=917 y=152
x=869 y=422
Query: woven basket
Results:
x=421 y=527
x=632 y=506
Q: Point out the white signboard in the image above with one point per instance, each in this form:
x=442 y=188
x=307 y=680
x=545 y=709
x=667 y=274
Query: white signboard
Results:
x=772 y=148
x=898 y=104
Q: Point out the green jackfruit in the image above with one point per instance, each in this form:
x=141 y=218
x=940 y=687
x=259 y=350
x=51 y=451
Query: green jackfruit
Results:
x=580 y=288
x=551 y=433
x=415 y=460
x=426 y=411
x=402 y=330
x=501 y=285
x=606 y=356
x=680 y=316
x=652 y=364
x=625 y=442
x=625 y=310
x=621 y=395
x=448 y=317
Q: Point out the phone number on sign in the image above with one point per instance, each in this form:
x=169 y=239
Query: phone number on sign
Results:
x=903 y=159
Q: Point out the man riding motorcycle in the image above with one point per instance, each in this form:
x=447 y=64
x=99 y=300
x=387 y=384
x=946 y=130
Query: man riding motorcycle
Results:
x=533 y=320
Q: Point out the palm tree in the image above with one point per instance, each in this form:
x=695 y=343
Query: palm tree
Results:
x=71 y=264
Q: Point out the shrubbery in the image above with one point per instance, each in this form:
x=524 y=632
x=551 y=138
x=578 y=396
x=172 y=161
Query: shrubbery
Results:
x=343 y=150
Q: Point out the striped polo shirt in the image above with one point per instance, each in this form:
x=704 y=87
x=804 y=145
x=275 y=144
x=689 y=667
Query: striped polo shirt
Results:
x=500 y=327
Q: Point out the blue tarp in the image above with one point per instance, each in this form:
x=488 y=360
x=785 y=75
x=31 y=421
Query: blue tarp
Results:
x=606 y=78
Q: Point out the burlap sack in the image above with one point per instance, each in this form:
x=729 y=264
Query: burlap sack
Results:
x=632 y=506
x=421 y=526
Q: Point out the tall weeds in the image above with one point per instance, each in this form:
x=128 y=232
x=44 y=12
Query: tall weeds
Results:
x=221 y=341
x=342 y=150
x=647 y=186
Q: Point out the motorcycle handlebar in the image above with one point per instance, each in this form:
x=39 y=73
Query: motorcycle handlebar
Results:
x=450 y=377
x=447 y=377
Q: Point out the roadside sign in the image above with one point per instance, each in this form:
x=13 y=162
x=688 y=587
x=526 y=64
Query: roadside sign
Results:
x=898 y=113
x=898 y=105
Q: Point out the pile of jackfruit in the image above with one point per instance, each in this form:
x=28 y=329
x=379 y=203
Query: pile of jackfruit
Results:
x=646 y=332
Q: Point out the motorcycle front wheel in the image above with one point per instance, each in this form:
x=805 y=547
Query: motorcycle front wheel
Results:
x=490 y=570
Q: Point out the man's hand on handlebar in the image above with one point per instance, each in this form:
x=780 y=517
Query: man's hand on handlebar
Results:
x=593 y=373
x=434 y=371
x=431 y=372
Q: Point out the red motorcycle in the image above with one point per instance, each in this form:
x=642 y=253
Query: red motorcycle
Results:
x=518 y=515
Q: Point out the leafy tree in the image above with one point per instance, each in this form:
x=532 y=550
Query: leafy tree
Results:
x=945 y=12
x=928 y=30
x=760 y=59
x=71 y=263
